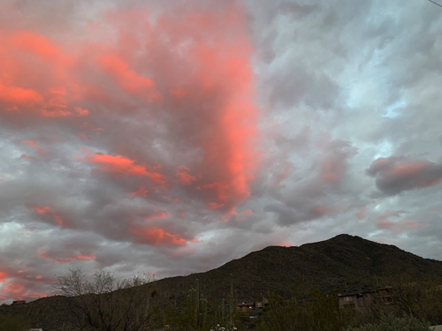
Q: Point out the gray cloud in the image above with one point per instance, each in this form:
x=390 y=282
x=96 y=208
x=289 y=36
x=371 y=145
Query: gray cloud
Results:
x=394 y=175
x=341 y=91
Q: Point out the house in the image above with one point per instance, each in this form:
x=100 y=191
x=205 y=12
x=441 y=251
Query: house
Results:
x=362 y=300
x=249 y=306
x=18 y=302
x=357 y=300
x=252 y=306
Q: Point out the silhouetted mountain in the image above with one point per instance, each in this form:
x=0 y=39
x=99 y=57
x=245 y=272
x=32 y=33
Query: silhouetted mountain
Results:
x=342 y=263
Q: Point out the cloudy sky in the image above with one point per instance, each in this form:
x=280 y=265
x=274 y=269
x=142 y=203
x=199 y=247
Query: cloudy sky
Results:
x=169 y=137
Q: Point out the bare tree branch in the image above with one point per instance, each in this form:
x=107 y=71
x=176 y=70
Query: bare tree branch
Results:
x=437 y=4
x=104 y=303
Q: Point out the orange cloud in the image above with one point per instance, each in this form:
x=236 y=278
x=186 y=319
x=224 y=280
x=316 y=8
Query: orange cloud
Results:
x=42 y=210
x=232 y=154
x=35 y=145
x=3 y=276
x=228 y=216
x=141 y=192
x=81 y=111
x=127 y=79
x=39 y=45
x=158 y=215
x=65 y=259
x=179 y=92
x=214 y=205
x=25 y=58
x=46 y=210
x=158 y=237
x=123 y=166
x=13 y=96
x=219 y=97
x=184 y=177
x=14 y=290
x=214 y=87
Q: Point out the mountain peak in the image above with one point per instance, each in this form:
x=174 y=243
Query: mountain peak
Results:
x=342 y=263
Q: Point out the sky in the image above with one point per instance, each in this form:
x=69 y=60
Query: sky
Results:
x=170 y=137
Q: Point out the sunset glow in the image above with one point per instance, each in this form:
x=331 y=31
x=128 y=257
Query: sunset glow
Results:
x=169 y=137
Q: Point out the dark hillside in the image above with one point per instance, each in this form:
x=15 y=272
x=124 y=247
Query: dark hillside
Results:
x=342 y=263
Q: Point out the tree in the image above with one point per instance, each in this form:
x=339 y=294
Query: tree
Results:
x=104 y=303
x=315 y=311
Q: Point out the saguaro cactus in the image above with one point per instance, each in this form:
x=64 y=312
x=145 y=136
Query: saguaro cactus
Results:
x=198 y=307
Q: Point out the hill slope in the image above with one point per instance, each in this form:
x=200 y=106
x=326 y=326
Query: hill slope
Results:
x=342 y=263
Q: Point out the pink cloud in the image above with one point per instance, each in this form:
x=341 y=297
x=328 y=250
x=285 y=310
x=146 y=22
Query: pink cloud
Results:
x=141 y=192
x=179 y=92
x=396 y=174
x=385 y=224
x=361 y=213
x=14 y=97
x=184 y=177
x=321 y=210
x=27 y=56
x=37 y=44
x=214 y=205
x=411 y=224
x=80 y=86
x=398 y=226
x=158 y=215
x=123 y=166
x=332 y=170
x=46 y=210
x=65 y=259
x=128 y=79
x=14 y=290
x=3 y=276
x=157 y=237
x=34 y=145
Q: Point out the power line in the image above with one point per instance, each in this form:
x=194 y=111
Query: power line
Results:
x=437 y=4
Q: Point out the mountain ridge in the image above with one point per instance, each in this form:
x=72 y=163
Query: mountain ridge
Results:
x=340 y=264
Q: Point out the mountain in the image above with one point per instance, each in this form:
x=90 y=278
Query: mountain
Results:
x=342 y=263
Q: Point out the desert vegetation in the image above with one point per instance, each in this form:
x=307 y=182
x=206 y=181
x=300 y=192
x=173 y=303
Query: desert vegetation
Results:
x=104 y=304
x=300 y=285
x=13 y=323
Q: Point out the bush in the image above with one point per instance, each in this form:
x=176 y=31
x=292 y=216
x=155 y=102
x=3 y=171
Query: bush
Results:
x=391 y=323
x=11 y=323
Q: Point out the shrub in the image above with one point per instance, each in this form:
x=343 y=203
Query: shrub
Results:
x=11 y=323
x=391 y=323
